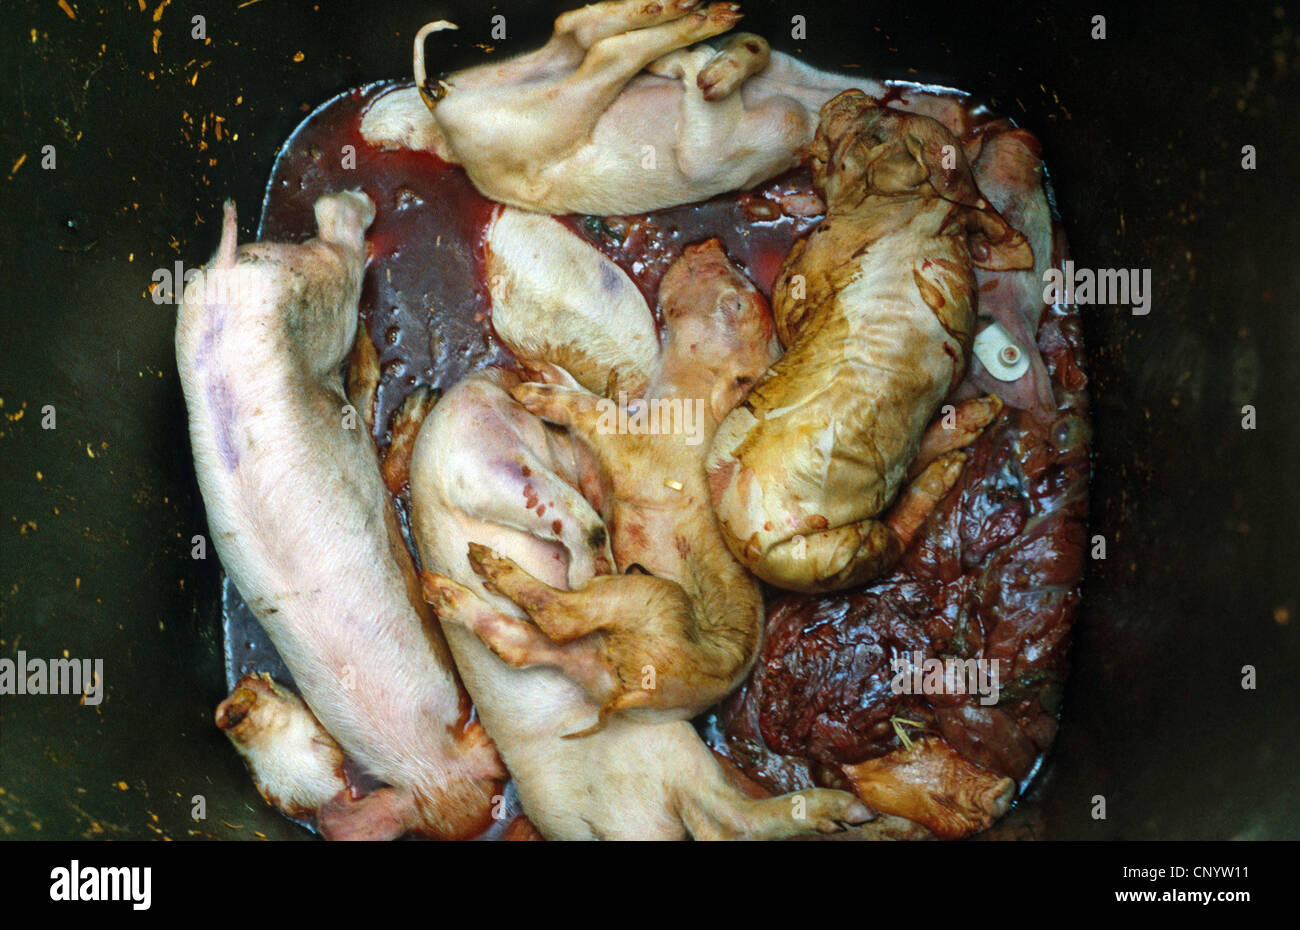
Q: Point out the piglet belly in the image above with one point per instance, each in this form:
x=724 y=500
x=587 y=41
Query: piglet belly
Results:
x=300 y=526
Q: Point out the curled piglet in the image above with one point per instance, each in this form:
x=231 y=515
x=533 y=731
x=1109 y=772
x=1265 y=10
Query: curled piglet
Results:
x=876 y=310
x=680 y=626
x=489 y=480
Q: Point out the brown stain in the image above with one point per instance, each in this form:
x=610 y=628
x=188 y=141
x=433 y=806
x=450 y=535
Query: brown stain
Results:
x=521 y=830
x=932 y=296
x=719 y=477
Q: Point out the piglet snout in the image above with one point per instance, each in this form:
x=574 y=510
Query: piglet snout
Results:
x=343 y=218
x=704 y=284
x=233 y=710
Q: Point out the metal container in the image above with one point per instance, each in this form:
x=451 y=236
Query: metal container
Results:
x=151 y=126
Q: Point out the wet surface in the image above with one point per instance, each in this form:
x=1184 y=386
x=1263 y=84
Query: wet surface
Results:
x=994 y=575
x=1198 y=581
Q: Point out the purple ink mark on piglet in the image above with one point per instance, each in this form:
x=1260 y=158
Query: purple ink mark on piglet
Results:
x=216 y=318
x=221 y=403
x=609 y=279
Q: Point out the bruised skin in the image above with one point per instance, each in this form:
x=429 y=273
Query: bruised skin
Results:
x=481 y=468
x=307 y=531
x=567 y=128
x=876 y=309
x=680 y=631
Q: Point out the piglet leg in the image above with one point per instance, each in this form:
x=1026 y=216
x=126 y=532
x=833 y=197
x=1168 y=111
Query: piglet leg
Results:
x=296 y=766
x=930 y=784
x=639 y=618
x=921 y=494
x=729 y=816
x=741 y=56
x=968 y=421
x=517 y=642
x=716 y=130
x=362 y=378
x=598 y=21
x=406 y=426
x=938 y=464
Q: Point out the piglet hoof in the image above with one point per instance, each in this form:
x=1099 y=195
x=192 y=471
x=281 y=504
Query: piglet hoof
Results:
x=232 y=711
x=503 y=576
x=741 y=56
x=835 y=811
x=446 y=597
x=818 y=810
x=543 y=400
x=489 y=566
x=725 y=15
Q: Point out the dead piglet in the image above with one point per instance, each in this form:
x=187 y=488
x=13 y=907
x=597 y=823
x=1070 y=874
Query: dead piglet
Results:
x=681 y=627
x=876 y=310
x=624 y=111
x=307 y=531
x=487 y=473
x=566 y=128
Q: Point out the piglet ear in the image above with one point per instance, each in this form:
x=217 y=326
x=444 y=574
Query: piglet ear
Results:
x=994 y=245
x=901 y=169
